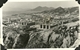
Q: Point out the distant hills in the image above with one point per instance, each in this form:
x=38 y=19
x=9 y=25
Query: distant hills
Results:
x=39 y=8
x=61 y=10
x=57 y=12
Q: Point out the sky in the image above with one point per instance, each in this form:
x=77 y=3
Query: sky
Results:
x=15 y=6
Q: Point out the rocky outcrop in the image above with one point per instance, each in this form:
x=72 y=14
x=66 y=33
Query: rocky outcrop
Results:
x=59 y=37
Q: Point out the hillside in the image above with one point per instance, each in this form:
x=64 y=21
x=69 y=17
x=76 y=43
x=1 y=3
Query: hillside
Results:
x=55 y=28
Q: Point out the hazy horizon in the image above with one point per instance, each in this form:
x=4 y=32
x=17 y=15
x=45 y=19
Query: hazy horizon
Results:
x=21 y=6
